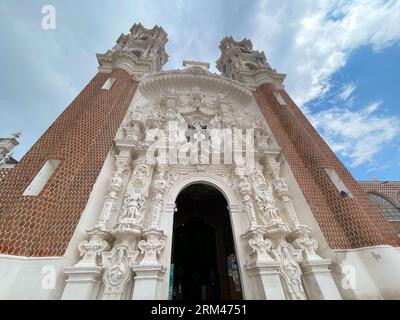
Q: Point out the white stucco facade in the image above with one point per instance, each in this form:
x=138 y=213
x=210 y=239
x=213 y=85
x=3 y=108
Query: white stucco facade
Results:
x=122 y=245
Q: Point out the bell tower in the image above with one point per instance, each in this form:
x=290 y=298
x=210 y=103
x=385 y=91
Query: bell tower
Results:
x=139 y=52
x=240 y=62
x=55 y=178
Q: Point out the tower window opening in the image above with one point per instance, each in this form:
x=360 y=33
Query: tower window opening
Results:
x=42 y=177
x=280 y=99
x=344 y=192
x=388 y=208
x=108 y=84
x=250 y=66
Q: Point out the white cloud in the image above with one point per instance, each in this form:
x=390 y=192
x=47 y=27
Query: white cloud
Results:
x=309 y=40
x=312 y=40
x=347 y=91
x=356 y=135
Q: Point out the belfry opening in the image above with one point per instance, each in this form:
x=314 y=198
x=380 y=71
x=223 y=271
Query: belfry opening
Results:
x=204 y=264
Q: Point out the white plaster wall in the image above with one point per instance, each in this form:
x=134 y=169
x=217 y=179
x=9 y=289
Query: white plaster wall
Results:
x=21 y=277
x=377 y=272
x=24 y=278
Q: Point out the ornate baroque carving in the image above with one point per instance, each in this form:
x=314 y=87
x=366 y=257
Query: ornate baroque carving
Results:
x=115 y=185
x=260 y=246
x=90 y=250
x=264 y=198
x=130 y=221
x=289 y=259
x=117 y=264
x=152 y=246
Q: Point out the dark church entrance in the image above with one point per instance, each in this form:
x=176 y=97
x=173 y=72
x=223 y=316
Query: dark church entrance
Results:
x=203 y=256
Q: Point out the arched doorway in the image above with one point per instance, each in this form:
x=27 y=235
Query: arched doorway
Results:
x=204 y=265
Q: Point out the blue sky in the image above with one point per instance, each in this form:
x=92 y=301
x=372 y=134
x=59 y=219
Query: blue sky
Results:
x=341 y=58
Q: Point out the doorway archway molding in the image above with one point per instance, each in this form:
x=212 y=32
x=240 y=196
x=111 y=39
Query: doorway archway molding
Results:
x=234 y=209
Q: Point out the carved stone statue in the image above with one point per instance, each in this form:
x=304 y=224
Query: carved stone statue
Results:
x=198 y=132
x=132 y=206
x=133 y=132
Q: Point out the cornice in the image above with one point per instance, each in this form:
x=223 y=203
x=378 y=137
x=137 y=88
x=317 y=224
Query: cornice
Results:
x=124 y=60
x=155 y=85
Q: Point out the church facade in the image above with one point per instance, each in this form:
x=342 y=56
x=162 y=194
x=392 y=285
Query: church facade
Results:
x=187 y=184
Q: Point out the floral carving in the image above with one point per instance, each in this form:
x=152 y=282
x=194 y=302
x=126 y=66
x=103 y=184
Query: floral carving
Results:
x=301 y=238
x=152 y=246
x=260 y=246
x=90 y=250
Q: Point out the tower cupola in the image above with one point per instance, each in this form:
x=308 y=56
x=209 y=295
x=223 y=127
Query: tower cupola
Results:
x=139 y=52
x=239 y=61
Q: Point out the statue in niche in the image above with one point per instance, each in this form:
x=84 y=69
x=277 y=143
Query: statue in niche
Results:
x=132 y=127
x=133 y=131
x=216 y=122
x=198 y=132
x=132 y=205
x=262 y=139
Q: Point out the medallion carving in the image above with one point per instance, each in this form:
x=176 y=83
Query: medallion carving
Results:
x=117 y=265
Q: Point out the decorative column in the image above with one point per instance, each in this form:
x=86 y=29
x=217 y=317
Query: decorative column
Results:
x=148 y=271
x=278 y=267
x=117 y=265
x=129 y=225
x=316 y=276
x=246 y=192
x=127 y=230
x=266 y=204
x=281 y=189
x=260 y=265
x=84 y=278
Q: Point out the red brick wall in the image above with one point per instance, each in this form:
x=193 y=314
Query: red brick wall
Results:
x=81 y=137
x=346 y=222
x=4 y=172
